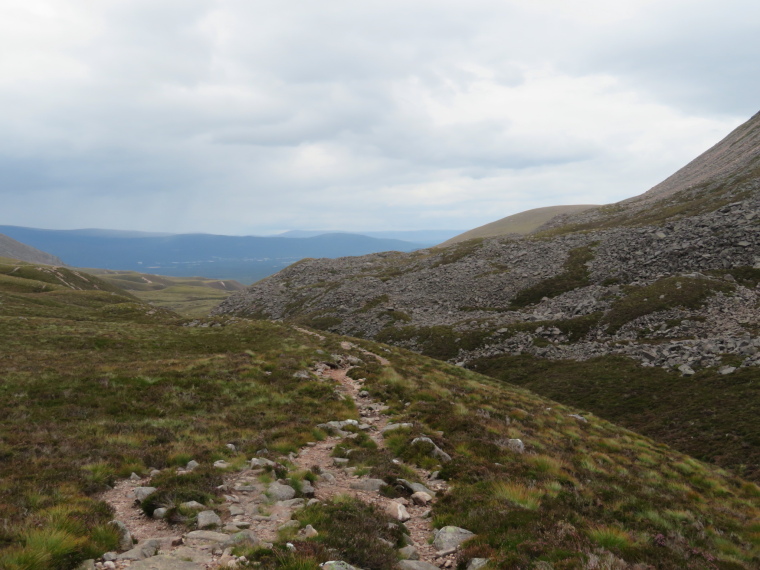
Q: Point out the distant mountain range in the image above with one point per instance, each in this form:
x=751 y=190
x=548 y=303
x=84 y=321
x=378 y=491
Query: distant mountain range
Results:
x=423 y=237
x=243 y=258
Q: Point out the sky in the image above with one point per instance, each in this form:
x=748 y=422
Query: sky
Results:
x=251 y=117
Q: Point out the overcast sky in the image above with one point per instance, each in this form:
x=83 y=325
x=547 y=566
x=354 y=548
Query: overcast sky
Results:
x=252 y=116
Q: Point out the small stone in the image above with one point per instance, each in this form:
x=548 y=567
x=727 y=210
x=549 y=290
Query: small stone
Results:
x=155 y=472
x=726 y=370
x=134 y=476
x=193 y=505
x=307 y=490
x=160 y=513
x=231 y=447
x=192 y=464
x=340 y=461
x=516 y=445
x=409 y=553
x=308 y=532
x=221 y=464
x=686 y=370
x=109 y=565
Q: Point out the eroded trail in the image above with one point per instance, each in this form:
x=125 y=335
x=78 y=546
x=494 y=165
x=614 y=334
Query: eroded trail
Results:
x=254 y=511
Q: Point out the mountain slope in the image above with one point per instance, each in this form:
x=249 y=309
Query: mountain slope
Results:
x=727 y=172
x=680 y=295
x=10 y=248
x=521 y=223
x=91 y=397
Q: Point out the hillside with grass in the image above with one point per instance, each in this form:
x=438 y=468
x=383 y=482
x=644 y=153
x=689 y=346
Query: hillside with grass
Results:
x=187 y=296
x=662 y=290
x=99 y=386
x=520 y=223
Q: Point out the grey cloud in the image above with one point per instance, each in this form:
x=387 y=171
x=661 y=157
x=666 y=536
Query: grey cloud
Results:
x=293 y=114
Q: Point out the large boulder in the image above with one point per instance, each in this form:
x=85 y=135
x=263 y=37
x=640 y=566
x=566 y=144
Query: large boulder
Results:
x=208 y=519
x=279 y=492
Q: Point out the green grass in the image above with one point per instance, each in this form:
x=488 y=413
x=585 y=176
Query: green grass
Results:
x=187 y=296
x=710 y=416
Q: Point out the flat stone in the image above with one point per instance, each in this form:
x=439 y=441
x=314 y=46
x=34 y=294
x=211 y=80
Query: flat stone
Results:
x=450 y=537
x=192 y=464
x=372 y=485
x=236 y=510
x=193 y=505
x=340 y=461
x=166 y=563
x=207 y=536
x=160 y=513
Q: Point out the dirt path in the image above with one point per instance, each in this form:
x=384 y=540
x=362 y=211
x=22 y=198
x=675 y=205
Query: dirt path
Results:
x=247 y=507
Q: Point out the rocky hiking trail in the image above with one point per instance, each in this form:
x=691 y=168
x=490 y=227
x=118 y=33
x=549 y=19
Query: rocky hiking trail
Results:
x=254 y=512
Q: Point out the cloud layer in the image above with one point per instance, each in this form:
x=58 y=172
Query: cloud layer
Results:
x=230 y=116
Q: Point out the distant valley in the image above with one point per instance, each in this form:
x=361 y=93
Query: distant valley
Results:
x=243 y=258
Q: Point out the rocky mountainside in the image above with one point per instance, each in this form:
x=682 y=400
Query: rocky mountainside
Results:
x=668 y=280
x=13 y=249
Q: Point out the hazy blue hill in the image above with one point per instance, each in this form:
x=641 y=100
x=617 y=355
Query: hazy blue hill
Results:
x=245 y=258
x=426 y=237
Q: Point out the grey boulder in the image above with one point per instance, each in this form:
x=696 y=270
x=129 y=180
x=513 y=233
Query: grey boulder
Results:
x=278 y=492
x=450 y=537
x=208 y=519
